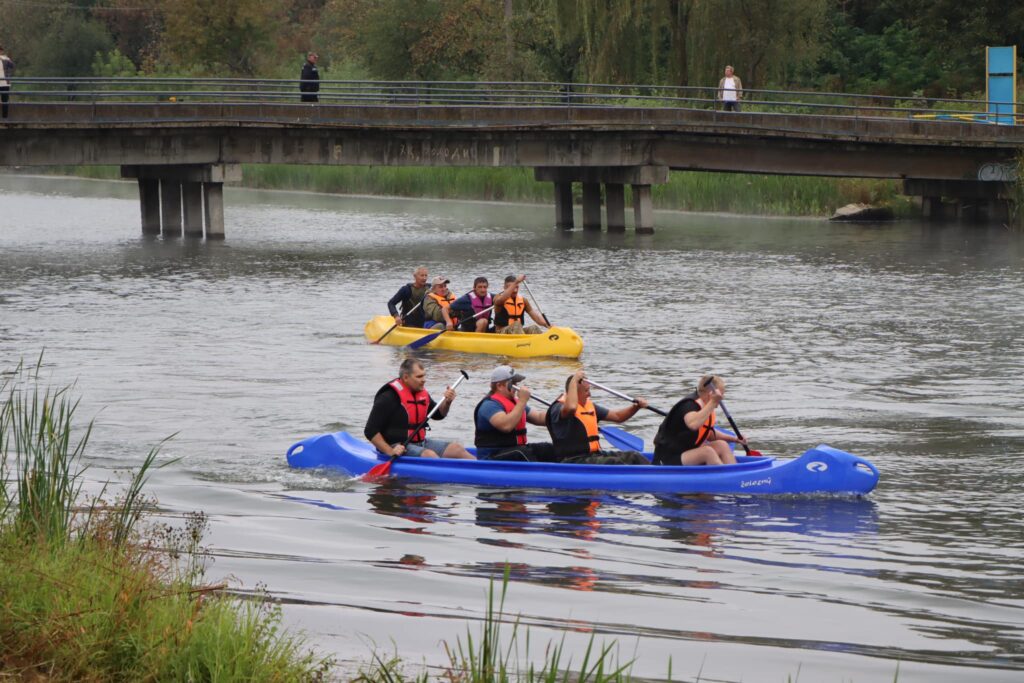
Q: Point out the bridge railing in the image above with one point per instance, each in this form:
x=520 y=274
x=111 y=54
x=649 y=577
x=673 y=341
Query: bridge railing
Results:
x=205 y=91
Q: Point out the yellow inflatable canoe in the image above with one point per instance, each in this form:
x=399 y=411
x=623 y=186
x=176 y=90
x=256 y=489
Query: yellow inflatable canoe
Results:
x=557 y=341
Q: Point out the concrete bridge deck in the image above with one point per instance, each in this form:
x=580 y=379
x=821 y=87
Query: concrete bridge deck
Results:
x=579 y=139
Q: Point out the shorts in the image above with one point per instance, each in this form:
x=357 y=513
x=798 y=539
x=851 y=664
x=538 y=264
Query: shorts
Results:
x=436 y=445
x=609 y=458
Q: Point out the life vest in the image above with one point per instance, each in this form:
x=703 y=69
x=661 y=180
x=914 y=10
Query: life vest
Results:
x=705 y=429
x=416 y=406
x=674 y=438
x=479 y=305
x=494 y=438
x=583 y=435
x=445 y=302
x=510 y=312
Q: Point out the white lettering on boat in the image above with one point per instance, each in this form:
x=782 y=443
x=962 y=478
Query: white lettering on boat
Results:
x=817 y=466
x=755 y=482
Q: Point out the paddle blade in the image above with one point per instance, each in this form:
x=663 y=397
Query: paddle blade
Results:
x=622 y=439
x=423 y=341
x=378 y=472
x=754 y=451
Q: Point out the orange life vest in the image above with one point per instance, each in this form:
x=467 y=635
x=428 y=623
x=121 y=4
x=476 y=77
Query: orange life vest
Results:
x=416 y=405
x=510 y=311
x=707 y=427
x=445 y=302
x=584 y=437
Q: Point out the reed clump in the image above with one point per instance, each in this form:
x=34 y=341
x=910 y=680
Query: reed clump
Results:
x=90 y=591
x=501 y=653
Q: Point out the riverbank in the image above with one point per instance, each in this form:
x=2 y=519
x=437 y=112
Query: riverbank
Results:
x=686 y=191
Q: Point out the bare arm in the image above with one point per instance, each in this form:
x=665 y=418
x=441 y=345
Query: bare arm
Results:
x=384 y=447
x=506 y=422
x=623 y=414
x=572 y=400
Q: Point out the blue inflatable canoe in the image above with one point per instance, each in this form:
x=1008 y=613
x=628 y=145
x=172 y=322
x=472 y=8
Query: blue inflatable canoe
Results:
x=819 y=470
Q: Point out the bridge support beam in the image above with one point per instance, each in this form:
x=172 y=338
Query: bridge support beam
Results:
x=643 y=209
x=192 y=203
x=170 y=208
x=614 y=178
x=615 y=206
x=563 y=206
x=591 y=206
x=213 y=208
x=149 y=202
x=975 y=201
x=168 y=194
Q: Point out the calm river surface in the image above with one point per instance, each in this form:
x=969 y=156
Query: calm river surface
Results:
x=901 y=343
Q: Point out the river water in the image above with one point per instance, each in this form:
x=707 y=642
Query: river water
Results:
x=901 y=343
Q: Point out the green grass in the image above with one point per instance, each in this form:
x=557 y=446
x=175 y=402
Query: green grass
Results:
x=89 y=592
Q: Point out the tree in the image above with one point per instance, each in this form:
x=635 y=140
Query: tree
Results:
x=227 y=37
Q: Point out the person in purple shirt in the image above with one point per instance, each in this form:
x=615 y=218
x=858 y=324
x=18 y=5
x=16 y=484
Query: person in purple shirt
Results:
x=472 y=303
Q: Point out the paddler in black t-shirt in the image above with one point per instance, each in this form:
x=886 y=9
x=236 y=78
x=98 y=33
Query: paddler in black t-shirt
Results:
x=688 y=436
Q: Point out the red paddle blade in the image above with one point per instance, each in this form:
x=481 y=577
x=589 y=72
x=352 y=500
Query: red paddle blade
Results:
x=378 y=472
x=754 y=451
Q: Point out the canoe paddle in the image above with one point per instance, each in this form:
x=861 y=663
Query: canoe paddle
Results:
x=619 y=438
x=392 y=328
x=384 y=469
x=530 y=292
x=624 y=397
x=423 y=341
x=732 y=423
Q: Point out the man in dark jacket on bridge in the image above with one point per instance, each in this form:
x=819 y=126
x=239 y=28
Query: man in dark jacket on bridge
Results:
x=310 y=83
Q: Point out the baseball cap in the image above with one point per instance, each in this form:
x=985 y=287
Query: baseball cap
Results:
x=440 y=280
x=504 y=373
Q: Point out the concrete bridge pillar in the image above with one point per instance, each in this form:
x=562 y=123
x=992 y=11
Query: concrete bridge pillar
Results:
x=176 y=196
x=591 y=206
x=643 y=209
x=149 y=202
x=563 y=206
x=213 y=208
x=192 y=203
x=614 y=178
x=170 y=208
x=615 y=206
x=976 y=201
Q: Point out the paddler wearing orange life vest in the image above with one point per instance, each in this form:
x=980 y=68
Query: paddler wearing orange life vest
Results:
x=403 y=404
x=688 y=436
x=510 y=309
x=572 y=423
x=436 y=305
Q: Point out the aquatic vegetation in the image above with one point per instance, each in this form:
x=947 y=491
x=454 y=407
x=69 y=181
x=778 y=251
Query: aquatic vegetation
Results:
x=91 y=592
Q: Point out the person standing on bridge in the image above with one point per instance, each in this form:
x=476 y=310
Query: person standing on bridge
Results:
x=309 y=85
x=6 y=71
x=730 y=90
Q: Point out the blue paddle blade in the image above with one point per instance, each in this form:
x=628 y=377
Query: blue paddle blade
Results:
x=423 y=341
x=622 y=439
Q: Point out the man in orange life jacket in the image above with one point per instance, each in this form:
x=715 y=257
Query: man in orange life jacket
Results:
x=509 y=309
x=501 y=417
x=572 y=422
x=687 y=435
x=399 y=407
x=437 y=303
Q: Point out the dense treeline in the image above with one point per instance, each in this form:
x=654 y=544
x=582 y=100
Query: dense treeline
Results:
x=900 y=47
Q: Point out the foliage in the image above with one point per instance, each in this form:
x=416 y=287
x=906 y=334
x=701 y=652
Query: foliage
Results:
x=88 y=593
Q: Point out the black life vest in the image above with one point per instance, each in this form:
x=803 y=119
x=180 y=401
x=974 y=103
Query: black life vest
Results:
x=414 y=319
x=674 y=437
x=494 y=438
